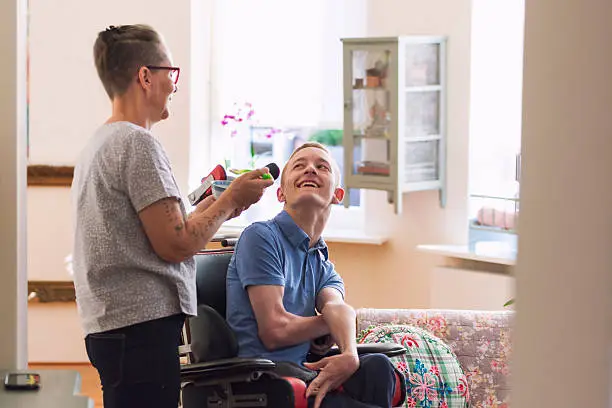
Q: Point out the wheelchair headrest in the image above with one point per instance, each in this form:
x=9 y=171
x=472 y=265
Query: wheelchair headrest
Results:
x=211 y=271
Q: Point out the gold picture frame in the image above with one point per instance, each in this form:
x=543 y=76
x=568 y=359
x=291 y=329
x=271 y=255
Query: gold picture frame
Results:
x=54 y=176
x=51 y=291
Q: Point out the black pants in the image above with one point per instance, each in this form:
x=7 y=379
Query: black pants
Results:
x=372 y=385
x=139 y=365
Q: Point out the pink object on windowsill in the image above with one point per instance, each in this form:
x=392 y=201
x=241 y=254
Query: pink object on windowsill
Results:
x=493 y=217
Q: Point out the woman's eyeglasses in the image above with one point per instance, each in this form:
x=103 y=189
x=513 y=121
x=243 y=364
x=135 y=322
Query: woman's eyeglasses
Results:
x=174 y=72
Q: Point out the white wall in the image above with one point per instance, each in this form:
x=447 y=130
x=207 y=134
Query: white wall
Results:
x=562 y=353
x=454 y=288
x=496 y=92
x=68 y=101
x=55 y=334
x=199 y=77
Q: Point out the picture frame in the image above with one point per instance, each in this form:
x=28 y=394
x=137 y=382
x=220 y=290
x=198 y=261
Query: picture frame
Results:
x=50 y=176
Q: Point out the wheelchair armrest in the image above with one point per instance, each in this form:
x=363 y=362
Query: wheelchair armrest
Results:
x=225 y=368
x=388 y=349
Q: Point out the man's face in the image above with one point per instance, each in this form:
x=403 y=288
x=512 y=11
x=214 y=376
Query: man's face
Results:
x=309 y=179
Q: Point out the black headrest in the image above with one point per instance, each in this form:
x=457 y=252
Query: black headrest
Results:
x=211 y=271
x=211 y=337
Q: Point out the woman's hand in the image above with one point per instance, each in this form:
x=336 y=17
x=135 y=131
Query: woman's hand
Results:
x=237 y=212
x=205 y=203
x=248 y=188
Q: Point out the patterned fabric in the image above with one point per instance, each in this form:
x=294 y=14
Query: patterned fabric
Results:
x=118 y=278
x=480 y=339
x=434 y=378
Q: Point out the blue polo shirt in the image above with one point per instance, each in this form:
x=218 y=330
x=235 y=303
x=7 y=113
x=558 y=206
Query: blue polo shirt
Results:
x=276 y=252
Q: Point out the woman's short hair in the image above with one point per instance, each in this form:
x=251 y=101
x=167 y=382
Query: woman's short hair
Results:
x=119 y=52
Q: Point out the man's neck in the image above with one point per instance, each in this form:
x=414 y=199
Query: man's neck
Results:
x=311 y=221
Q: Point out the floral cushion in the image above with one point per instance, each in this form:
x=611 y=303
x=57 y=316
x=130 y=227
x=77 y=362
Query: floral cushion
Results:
x=481 y=340
x=434 y=377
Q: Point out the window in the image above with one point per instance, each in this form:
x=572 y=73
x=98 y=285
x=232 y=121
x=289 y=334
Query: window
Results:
x=495 y=123
x=278 y=66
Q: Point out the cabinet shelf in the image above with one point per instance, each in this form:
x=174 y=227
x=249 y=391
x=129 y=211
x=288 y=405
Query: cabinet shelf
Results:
x=359 y=136
x=424 y=186
x=370 y=88
x=424 y=88
x=427 y=138
x=404 y=125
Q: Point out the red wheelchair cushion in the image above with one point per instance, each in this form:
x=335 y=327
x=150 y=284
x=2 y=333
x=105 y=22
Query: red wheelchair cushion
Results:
x=299 y=391
x=398 y=396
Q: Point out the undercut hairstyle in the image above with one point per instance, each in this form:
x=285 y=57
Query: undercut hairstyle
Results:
x=316 y=145
x=119 y=52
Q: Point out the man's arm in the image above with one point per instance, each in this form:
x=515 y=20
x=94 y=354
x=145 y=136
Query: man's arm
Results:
x=278 y=328
x=334 y=370
x=340 y=318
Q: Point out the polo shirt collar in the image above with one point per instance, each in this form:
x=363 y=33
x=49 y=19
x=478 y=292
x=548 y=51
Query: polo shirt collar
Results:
x=296 y=236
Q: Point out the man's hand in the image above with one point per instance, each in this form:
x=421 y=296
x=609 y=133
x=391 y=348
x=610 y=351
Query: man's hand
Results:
x=321 y=345
x=248 y=188
x=333 y=372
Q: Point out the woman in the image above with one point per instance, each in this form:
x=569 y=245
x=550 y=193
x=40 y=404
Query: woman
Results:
x=134 y=243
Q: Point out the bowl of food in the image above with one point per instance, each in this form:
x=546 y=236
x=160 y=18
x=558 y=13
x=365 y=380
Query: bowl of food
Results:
x=219 y=186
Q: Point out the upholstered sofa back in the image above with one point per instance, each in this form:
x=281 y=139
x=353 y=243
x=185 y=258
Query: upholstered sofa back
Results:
x=479 y=339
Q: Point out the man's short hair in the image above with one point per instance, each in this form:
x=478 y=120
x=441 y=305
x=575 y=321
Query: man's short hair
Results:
x=316 y=145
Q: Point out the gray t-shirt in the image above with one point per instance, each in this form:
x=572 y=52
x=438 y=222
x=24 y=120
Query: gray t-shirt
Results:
x=119 y=279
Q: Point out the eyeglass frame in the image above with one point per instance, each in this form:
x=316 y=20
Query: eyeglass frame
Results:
x=177 y=69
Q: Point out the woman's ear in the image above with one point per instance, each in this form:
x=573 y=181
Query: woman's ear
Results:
x=338 y=195
x=144 y=77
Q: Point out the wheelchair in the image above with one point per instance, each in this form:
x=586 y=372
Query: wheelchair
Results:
x=214 y=376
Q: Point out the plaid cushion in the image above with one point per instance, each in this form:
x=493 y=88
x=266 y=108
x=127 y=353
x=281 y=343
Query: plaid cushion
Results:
x=434 y=377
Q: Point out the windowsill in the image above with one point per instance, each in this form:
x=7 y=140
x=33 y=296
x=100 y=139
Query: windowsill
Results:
x=464 y=253
x=353 y=237
x=346 y=236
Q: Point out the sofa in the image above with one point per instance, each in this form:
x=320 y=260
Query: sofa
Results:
x=479 y=339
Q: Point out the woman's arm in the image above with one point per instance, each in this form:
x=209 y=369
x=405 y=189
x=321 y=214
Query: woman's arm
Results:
x=175 y=238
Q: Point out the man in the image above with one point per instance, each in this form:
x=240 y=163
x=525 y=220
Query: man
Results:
x=280 y=277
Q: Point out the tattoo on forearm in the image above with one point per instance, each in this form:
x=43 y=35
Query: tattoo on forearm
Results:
x=195 y=232
x=170 y=211
x=202 y=227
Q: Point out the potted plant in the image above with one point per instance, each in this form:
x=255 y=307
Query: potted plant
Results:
x=327 y=137
x=332 y=139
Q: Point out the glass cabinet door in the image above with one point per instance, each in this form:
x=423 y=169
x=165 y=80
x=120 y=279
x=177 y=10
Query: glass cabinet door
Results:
x=422 y=109
x=422 y=64
x=371 y=118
